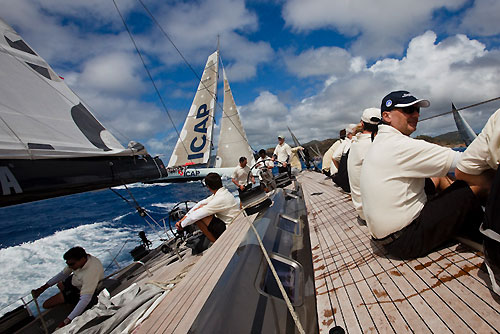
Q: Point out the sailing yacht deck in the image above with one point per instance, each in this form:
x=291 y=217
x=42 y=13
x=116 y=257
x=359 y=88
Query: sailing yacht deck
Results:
x=362 y=289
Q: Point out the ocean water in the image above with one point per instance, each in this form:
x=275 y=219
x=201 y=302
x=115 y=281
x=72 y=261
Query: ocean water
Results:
x=34 y=236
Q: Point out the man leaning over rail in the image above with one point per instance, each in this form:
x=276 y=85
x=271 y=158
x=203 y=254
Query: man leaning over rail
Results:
x=77 y=282
x=410 y=206
x=213 y=213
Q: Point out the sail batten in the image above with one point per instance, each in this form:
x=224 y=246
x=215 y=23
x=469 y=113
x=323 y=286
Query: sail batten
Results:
x=233 y=142
x=194 y=142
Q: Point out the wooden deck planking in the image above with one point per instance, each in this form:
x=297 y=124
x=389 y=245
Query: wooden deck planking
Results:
x=439 y=293
x=176 y=313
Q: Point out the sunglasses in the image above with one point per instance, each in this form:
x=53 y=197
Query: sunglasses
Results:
x=410 y=110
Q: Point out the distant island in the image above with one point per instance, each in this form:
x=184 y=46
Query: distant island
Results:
x=450 y=139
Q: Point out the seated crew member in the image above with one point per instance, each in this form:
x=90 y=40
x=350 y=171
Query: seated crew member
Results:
x=359 y=146
x=296 y=166
x=404 y=214
x=241 y=176
x=213 y=213
x=282 y=153
x=77 y=282
x=328 y=167
x=478 y=167
x=265 y=167
x=340 y=157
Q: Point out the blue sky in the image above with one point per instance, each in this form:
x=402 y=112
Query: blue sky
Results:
x=311 y=65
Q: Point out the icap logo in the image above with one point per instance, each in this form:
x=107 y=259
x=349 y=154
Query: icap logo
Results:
x=388 y=103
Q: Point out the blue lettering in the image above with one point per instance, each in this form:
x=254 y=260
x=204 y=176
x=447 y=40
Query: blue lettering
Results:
x=202 y=126
x=202 y=111
x=195 y=156
x=195 y=148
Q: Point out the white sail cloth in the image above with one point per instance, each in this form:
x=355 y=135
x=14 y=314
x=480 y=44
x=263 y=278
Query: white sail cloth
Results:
x=233 y=142
x=195 y=140
x=40 y=117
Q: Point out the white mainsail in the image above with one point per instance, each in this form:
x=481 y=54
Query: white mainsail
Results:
x=233 y=142
x=194 y=143
x=40 y=117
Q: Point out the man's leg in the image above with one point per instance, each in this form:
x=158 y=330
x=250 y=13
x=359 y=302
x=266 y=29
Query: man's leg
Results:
x=54 y=301
x=203 y=226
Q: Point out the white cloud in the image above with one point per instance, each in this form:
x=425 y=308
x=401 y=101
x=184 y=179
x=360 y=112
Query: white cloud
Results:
x=456 y=69
x=482 y=18
x=380 y=27
x=323 y=61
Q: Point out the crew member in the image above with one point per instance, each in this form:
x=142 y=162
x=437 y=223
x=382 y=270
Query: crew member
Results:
x=213 y=213
x=406 y=211
x=282 y=153
x=77 y=282
x=359 y=146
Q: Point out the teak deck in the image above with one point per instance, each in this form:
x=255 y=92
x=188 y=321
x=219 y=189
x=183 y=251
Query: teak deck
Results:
x=178 y=310
x=363 y=290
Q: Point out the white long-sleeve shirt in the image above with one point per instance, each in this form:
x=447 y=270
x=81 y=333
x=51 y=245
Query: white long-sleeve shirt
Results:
x=222 y=204
x=393 y=178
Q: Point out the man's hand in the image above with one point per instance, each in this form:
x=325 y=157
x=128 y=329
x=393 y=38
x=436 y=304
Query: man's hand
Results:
x=284 y=164
x=242 y=187
x=178 y=225
x=37 y=292
x=64 y=323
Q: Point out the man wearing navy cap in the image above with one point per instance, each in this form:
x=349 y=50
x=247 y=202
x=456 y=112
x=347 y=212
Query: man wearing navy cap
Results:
x=409 y=204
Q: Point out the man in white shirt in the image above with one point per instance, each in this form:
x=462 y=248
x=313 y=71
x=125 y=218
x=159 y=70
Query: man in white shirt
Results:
x=404 y=212
x=242 y=177
x=265 y=166
x=328 y=166
x=282 y=153
x=213 y=213
x=359 y=146
x=77 y=282
x=340 y=157
x=295 y=163
x=479 y=168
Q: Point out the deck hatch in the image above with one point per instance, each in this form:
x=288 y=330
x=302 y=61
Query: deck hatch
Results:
x=291 y=276
x=289 y=224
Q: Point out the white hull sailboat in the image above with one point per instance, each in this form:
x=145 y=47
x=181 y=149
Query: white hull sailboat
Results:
x=191 y=159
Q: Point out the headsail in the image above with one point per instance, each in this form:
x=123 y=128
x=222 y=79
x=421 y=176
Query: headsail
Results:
x=233 y=142
x=50 y=143
x=464 y=129
x=194 y=143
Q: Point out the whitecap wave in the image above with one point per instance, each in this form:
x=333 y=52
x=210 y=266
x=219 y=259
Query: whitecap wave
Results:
x=143 y=185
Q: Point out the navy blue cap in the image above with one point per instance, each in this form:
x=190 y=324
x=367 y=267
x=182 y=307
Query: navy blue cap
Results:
x=401 y=99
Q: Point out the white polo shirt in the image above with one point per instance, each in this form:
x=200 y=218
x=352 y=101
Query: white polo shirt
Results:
x=327 y=157
x=222 y=204
x=342 y=149
x=241 y=175
x=264 y=173
x=359 y=146
x=393 y=178
x=484 y=152
x=283 y=152
x=87 y=277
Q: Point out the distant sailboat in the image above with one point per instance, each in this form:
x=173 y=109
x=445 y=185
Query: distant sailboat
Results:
x=191 y=158
x=50 y=143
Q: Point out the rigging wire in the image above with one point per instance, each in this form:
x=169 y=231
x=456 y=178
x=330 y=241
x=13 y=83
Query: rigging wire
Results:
x=149 y=74
x=463 y=108
x=190 y=67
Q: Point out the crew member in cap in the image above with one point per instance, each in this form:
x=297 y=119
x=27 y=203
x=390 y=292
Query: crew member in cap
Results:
x=340 y=157
x=359 y=146
x=406 y=211
x=282 y=153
